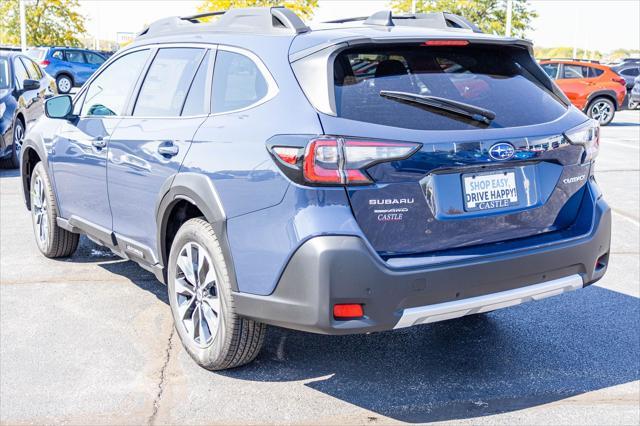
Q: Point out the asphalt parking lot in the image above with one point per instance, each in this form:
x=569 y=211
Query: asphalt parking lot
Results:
x=90 y=340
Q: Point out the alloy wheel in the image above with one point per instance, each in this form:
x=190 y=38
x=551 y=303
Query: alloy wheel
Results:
x=40 y=210
x=196 y=293
x=601 y=111
x=18 y=136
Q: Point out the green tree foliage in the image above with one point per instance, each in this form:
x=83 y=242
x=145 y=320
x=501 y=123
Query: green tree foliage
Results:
x=49 y=22
x=489 y=15
x=304 y=8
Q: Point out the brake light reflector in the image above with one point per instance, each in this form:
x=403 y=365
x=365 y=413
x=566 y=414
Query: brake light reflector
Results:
x=348 y=311
x=445 y=43
x=619 y=80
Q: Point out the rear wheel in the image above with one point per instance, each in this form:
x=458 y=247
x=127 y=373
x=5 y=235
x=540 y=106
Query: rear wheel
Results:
x=64 y=84
x=202 y=304
x=12 y=161
x=602 y=110
x=52 y=240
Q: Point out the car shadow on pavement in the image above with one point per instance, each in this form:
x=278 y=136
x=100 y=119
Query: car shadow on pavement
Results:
x=503 y=361
x=623 y=124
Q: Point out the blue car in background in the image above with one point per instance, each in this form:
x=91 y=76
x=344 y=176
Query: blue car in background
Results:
x=70 y=66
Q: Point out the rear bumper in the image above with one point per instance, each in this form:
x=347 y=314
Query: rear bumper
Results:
x=342 y=269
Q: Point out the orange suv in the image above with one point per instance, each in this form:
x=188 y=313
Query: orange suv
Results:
x=594 y=88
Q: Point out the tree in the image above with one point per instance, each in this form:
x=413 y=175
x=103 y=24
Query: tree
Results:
x=489 y=15
x=49 y=22
x=304 y=8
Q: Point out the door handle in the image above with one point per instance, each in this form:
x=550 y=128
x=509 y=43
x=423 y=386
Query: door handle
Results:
x=98 y=142
x=168 y=149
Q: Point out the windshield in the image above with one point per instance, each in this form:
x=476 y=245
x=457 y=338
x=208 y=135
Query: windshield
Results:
x=4 y=73
x=487 y=77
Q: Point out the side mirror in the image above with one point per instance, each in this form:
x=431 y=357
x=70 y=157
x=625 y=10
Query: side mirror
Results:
x=29 y=84
x=59 y=107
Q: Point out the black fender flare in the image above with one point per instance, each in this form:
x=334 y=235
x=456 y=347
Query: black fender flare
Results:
x=606 y=93
x=200 y=191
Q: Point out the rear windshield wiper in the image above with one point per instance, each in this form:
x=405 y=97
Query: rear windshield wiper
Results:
x=460 y=108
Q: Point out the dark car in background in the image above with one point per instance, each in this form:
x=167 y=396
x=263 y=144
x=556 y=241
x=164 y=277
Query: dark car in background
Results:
x=628 y=69
x=634 y=96
x=23 y=88
x=69 y=66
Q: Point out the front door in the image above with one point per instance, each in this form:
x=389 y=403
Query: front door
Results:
x=79 y=150
x=147 y=148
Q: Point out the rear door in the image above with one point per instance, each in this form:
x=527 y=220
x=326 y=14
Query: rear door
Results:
x=472 y=181
x=148 y=146
x=81 y=70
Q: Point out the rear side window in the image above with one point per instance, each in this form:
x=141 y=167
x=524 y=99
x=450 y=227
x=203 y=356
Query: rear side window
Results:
x=167 y=82
x=58 y=55
x=75 y=56
x=197 y=102
x=575 y=71
x=237 y=82
x=595 y=72
x=94 y=59
x=488 y=77
x=108 y=93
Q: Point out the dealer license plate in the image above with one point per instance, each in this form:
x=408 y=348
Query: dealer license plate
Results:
x=490 y=190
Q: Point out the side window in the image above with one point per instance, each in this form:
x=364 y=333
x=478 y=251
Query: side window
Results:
x=196 y=103
x=75 y=56
x=595 y=72
x=58 y=55
x=32 y=69
x=167 y=82
x=20 y=72
x=237 y=82
x=108 y=93
x=551 y=70
x=631 y=72
x=574 y=71
x=94 y=59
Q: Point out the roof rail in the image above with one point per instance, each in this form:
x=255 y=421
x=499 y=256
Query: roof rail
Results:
x=263 y=20
x=438 y=20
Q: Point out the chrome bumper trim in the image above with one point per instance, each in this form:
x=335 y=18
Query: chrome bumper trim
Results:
x=488 y=302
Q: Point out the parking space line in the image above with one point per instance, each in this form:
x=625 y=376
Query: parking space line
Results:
x=621 y=144
x=626 y=217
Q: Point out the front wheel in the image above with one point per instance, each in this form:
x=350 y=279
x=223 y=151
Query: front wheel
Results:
x=602 y=110
x=202 y=304
x=52 y=240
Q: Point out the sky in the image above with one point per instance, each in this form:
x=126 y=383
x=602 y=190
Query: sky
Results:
x=602 y=25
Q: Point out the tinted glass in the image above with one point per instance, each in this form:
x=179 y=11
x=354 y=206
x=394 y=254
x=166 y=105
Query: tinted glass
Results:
x=630 y=71
x=196 y=99
x=487 y=77
x=32 y=69
x=108 y=93
x=167 y=82
x=92 y=58
x=75 y=56
x=58 y=55
x=4 y=73
x=551 y=70
x=575 y=71
x=20 y=71
x=237 y=82
x=595 y=72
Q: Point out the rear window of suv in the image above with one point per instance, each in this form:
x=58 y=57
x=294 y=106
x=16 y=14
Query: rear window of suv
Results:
x=497 y=79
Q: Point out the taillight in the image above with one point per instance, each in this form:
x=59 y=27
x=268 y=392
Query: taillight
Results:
x=587 y=135
x=619 y=80
x=331 y=160
x=45 y=63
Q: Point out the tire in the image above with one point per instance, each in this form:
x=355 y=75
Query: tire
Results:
x=202 y=304
x=64 y=83
x=13 y=161
x=602 y=110
x=52 y=240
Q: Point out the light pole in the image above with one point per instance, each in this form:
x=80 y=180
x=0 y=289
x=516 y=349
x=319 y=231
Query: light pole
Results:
x=509 y=13
x=23 y=28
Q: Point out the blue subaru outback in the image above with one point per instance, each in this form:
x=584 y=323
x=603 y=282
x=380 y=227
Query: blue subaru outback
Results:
x=365 y=175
